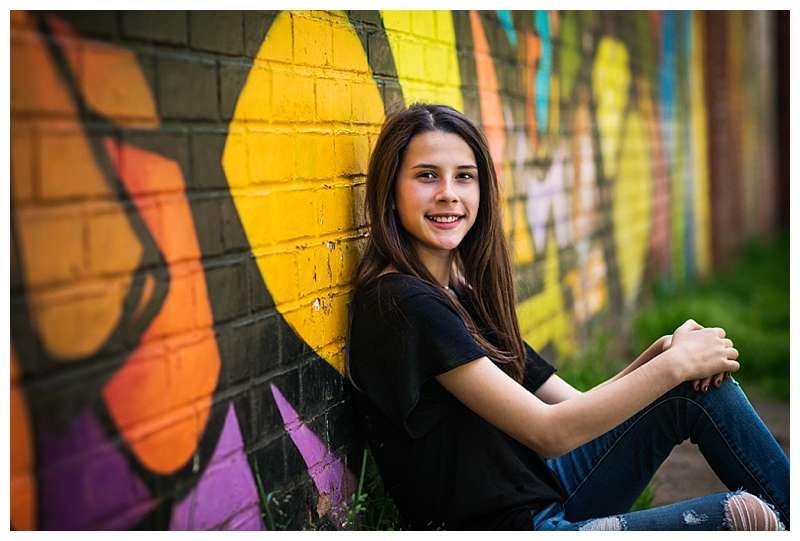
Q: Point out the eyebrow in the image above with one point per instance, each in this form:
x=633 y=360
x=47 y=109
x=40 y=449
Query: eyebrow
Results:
x=431 y=166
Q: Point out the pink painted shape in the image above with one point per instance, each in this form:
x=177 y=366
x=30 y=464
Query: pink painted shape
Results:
x=328 y=472
x=226 y=496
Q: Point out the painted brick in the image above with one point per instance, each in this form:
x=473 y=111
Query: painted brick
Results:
x=76 y=173
x=255 y=28
x=207 y=221
x=207 y=172
x=233 y=238
x=42 y=232
x=232 y=78
x=333 y=100
x=187 y=89
x=272 y=156
x=112 y=246
x=348 y=54
x=313 y=42
x=158 y=26
x=217 y=31
x=104 y=24
x=314 y=156
x=352 y=154
x=22 y=162
x=335 y=208
x=296 y=104
x=228 y=278
x=380 y=55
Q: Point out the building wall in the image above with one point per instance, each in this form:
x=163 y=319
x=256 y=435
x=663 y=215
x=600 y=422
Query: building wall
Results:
x=187 y=210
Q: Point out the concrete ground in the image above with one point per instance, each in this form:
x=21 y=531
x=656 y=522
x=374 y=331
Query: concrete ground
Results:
x=685 y=473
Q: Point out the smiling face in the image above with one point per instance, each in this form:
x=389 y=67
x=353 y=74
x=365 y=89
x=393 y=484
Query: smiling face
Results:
x=437 y=194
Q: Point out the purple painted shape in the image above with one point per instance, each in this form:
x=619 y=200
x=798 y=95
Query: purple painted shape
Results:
x=85 y=482
x=330 y=476
x=542 y=195
x=225 y=489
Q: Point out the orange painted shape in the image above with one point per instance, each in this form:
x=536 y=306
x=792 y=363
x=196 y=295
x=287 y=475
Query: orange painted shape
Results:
x=142 y=395
x=67 y=164
x=23 y=483
x=35 y=83
x=533 y=51
x=488 y=93
x=110 y=78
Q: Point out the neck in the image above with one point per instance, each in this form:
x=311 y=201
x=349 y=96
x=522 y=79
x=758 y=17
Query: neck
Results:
x=438 y=263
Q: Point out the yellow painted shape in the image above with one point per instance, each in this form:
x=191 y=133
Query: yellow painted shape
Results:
x=543 y=317
x=632 y=199
x=523 y=243
x=702 y=189
x=291 y=185
x=611 y=78
x=423 y=45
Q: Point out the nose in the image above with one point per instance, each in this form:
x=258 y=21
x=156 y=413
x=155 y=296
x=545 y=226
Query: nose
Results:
x=447 y=192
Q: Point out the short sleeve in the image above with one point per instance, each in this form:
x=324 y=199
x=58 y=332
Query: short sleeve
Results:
x=393 y=357
x=537 y=370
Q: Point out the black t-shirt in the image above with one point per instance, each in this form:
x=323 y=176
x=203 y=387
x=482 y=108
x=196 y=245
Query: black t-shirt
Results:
x=445 y=466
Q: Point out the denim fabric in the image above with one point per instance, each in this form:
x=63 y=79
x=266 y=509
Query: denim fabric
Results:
x=604 y=477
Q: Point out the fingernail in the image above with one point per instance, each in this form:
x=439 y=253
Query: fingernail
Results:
x=705 y=388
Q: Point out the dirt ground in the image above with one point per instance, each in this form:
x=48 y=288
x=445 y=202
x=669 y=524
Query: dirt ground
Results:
x=685 y=473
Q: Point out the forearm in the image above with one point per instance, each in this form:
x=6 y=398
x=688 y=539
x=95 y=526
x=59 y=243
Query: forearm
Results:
x=593 y=413
x=651 y=352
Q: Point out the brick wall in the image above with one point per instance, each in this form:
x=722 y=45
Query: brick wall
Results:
x=186 y=212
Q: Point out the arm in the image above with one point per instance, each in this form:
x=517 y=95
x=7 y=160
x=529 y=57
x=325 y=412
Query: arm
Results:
x=656 y=348
x=556 y=390
x=552 y=430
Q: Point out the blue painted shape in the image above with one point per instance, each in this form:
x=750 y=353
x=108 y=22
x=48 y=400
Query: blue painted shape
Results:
x=507 y=22
x=542 y=25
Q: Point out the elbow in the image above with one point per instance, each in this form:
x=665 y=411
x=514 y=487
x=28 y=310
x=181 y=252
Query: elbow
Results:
x=550 y=441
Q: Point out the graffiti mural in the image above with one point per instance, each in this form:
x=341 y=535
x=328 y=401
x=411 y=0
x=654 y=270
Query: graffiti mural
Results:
x=187 y=212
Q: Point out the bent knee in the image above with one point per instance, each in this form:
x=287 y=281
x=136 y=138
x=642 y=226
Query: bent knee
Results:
x=747 y=512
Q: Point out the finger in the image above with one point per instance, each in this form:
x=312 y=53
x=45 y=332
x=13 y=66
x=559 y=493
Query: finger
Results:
x=704 y=384
x=718 y=379
x=719 y=331
x=727 y=342
x=732 y=366
x=732 y=353
x=696 y=385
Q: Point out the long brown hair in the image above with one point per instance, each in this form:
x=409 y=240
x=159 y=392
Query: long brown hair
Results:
x=486 y=279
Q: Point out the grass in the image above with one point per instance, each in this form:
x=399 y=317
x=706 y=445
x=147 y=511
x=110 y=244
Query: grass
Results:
x=750 y=300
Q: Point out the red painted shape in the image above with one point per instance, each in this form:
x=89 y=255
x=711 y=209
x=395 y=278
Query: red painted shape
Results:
x=161 y=396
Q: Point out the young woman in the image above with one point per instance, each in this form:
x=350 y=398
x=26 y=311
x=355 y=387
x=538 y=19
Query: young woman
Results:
x=469 y=426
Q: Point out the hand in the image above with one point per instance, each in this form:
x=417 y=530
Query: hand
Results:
x=704 y=352
x=697 y=385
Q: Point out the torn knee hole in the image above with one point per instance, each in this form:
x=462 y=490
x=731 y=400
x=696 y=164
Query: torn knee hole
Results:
x=747 y=512
x=613 y=524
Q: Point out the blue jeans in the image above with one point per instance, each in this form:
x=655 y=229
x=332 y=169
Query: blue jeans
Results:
x=603 y=477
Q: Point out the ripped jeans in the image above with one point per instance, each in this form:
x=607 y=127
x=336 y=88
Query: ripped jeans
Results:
x=603 y=477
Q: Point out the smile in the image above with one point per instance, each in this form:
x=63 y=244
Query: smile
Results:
x=444 y=219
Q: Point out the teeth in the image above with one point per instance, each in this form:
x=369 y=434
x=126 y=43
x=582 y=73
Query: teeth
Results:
x=444 y=219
